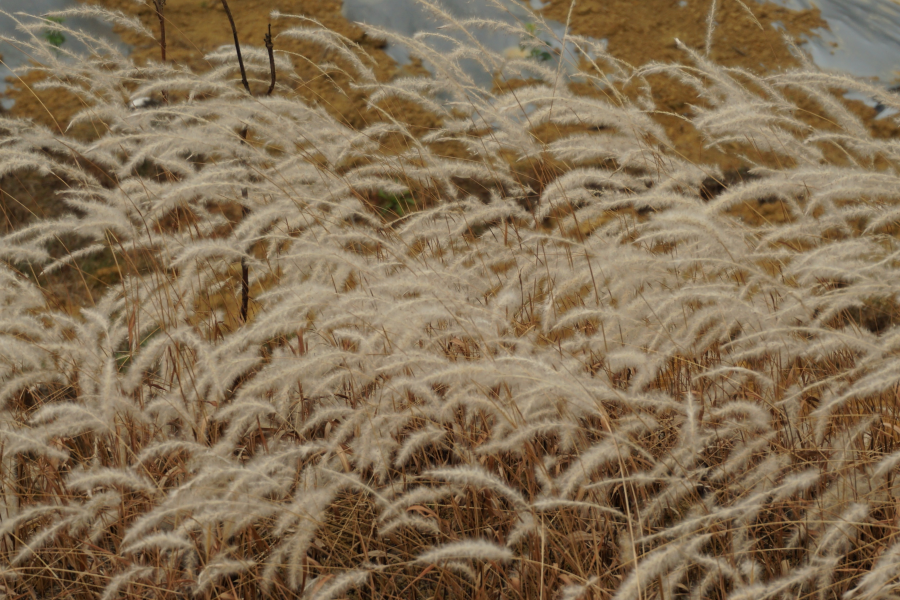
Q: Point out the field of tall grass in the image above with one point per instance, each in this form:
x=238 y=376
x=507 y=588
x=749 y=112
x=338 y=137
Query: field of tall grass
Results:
x=532 y=352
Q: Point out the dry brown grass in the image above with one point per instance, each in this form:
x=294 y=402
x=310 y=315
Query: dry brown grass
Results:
x=582 y=366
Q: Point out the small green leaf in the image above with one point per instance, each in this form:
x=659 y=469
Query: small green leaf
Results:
x=54 y=38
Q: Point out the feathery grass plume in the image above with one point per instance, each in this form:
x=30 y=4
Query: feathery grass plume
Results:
x=710 y=25
x=124 y=578
x=659 y=562
x=467 y=550
x=331 y=587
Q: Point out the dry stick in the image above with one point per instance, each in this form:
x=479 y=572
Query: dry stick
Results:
x=159 y=4
x=245 y=269
x=237 y=46
x=270 y=48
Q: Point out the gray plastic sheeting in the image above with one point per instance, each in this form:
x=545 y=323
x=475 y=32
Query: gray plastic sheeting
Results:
x=864 y=40
x=13 y=57
x=408 y=17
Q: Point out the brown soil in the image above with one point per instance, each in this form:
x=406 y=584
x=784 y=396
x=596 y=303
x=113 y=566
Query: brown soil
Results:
x=640 y=31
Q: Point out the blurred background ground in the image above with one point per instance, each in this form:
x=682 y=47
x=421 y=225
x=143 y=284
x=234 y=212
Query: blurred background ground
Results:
x=637 y=32
x=748 y=34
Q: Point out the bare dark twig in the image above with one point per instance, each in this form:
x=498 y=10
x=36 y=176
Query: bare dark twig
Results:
x=159 y=5
x=245 y=269
x=237 y=46
x=270 y=48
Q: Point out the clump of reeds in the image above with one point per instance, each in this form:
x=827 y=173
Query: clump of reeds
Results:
x=568 y=371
